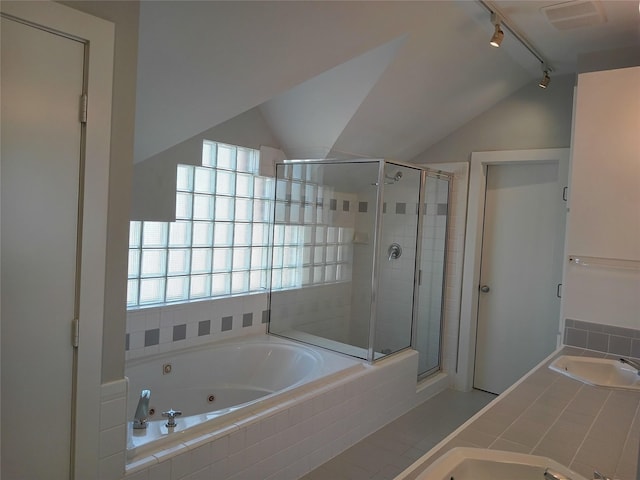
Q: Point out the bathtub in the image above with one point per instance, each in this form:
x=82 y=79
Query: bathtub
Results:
x=215 y=385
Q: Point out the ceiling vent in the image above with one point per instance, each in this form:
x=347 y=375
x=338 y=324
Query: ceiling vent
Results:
x=575 y=14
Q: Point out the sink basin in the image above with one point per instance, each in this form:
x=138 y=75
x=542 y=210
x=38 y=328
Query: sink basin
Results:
x=602 y=372
x=463 y=463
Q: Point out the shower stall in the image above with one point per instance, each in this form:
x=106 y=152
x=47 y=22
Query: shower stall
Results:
x=358 y=260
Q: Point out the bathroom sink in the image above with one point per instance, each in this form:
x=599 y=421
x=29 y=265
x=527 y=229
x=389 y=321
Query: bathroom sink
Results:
x=463 y=463
x=602 y=372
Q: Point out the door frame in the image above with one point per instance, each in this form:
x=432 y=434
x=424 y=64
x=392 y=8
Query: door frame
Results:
x=98 y=35
x=473 y=245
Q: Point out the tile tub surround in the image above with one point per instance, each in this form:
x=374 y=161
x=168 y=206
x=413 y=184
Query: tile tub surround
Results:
x=298 y=434
x=113 y=424
x=581 y=426
x=603 y=338
x=165 y=328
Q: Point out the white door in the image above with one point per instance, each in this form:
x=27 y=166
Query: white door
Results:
x=521 y=268
x=42 y=80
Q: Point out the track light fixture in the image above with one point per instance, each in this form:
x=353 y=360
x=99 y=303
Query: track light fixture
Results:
x=498 y=20
x=498 y=34
x=544 y=83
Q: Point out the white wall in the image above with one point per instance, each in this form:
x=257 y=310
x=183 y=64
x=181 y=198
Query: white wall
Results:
x=221 y=47
x=604 y=200
x=529 y=118
x=536 y=118
x=154 y=180
x=609 y=59
x=203 y=63
x=125 y=16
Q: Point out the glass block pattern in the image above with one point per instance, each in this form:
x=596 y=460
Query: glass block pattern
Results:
x=219 y=243
x=311 y=245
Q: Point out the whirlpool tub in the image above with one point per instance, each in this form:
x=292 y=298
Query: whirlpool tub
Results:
x=214 y=385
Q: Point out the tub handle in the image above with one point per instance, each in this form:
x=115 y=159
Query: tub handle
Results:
x=171 y=414
x=394 y=251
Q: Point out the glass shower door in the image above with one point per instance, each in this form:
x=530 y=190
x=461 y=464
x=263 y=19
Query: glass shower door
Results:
x=324 y=229
x=430 y=288
x=397 y=258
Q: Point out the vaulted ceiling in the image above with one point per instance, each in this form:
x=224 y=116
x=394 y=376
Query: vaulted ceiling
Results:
x=380 y=79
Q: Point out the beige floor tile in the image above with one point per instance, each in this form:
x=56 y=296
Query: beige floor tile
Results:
x=387 y=452
x=507 y=446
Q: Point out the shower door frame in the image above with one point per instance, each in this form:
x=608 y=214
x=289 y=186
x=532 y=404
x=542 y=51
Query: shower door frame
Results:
x=375 y=277
x=424 y=173
x=373 y=310
x=440 y=175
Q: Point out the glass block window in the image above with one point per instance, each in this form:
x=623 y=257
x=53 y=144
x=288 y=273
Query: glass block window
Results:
x=225 y=240
x=218 y=244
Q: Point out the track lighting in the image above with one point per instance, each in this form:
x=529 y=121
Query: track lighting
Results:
x=544 y=83
x=498 y=34
x=498 y=20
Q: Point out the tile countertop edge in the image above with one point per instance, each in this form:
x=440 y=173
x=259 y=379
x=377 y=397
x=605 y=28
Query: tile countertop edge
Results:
x=423 y=462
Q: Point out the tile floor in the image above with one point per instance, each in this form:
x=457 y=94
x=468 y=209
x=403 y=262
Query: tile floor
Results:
x=387 y=452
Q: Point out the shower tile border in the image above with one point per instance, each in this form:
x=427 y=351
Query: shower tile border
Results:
x=204 y=327
x=602 y=338
x=165 y=328
x=350 y=206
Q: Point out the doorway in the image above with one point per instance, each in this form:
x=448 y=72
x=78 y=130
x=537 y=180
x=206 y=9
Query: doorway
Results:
x=42 y=80
x=518 y=303
x=482 y=164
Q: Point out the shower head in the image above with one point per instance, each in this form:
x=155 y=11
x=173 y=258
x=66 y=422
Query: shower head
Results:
x=396 y=177
x=390 y=180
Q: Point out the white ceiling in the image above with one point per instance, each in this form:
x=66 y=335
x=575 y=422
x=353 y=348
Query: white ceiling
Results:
x=620 y=28
x=380 y=79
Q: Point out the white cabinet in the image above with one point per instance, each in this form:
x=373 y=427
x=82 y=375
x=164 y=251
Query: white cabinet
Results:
x=605 y=176
x=604 y=199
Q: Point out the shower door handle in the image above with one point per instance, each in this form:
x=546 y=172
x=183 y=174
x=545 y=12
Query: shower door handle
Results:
x=485 y=289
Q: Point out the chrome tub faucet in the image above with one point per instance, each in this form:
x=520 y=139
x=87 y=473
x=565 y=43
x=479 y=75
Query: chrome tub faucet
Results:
x=632 y=363
x=599 y=476
x=142 y=410
x=171 y=414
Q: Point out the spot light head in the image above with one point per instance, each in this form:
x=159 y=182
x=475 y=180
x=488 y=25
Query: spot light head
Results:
x=544 y=82
x=498 y=34
x=497 y=37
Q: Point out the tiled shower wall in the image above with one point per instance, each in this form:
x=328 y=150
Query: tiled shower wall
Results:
x=322 y=310
x=396 y=276
x=395 y=294
x=603 y=338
